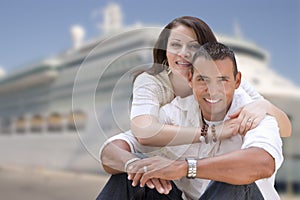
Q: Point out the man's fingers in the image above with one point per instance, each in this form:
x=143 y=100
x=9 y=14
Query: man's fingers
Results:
x=150 y=184
x=158 y=186
x=167 y=186
x=145 y=177
x=136 y=179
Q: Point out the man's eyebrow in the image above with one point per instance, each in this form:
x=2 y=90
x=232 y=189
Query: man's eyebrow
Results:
x=201 y=76
x=223 y=76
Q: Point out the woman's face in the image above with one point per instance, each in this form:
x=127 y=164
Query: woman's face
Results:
x=181 y=46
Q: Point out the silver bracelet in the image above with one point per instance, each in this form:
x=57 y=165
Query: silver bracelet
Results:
x=129 y=162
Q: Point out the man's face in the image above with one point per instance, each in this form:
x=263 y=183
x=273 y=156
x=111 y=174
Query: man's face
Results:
x=213 y=85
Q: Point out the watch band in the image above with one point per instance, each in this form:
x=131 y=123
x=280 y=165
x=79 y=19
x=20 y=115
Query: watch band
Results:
x=192 y=167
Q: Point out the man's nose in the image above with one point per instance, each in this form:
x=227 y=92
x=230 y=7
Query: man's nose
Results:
x=215 y=88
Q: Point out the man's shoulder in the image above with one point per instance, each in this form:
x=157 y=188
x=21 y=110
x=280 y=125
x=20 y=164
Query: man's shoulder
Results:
x=240 y=99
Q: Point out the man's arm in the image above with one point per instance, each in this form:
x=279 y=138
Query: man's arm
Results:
x=114 y=156
x=237 y=167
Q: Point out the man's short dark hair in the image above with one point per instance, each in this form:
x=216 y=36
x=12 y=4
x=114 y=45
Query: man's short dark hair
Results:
x=216 y=51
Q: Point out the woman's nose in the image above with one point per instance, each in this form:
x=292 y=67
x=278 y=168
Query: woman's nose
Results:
x=185 y=53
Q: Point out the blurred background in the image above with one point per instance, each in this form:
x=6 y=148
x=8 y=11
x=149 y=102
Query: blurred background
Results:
x=66 y=71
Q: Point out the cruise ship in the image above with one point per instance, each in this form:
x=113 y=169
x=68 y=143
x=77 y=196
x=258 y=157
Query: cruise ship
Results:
x=56 y=113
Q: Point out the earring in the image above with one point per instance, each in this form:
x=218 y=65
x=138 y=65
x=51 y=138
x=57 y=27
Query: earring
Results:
x=165 y=64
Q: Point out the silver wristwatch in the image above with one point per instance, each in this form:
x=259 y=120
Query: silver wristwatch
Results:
x=192 y=167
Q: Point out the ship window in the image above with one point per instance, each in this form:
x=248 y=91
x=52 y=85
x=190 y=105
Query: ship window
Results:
x=54 y=122
x=20 y=125
x=36 y=124
x=76 y=120
x=5 y=126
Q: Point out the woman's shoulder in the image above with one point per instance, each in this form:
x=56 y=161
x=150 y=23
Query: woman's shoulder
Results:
x=160 y=78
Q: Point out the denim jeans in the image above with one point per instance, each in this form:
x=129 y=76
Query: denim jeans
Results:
x=219 y=190
x=119 y=187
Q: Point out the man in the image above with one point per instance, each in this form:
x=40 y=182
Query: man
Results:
x=215 y=81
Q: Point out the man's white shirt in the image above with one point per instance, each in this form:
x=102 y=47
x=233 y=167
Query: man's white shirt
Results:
x=185 y=112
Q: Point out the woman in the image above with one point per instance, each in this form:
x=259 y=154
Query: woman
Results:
x=166 y=79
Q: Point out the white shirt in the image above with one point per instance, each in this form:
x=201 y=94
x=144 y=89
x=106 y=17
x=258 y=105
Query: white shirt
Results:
x=152 y=92
x=184 y=112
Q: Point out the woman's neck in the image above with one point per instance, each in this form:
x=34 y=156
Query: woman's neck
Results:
x=180 y=85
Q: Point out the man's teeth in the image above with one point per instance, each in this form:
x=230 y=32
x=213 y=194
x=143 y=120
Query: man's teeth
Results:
x=212 y=100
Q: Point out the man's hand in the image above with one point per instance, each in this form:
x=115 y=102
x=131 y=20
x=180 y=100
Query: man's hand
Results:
x=135 y=173
x=156 y=168
x=162 y=186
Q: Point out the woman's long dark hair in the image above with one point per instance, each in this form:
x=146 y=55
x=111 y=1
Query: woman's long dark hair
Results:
x=203 y=32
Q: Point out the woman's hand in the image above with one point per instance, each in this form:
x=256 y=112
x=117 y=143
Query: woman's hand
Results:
x=227 y=129
x=250 y=115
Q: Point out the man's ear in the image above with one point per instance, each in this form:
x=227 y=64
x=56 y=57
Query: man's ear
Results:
x=190 y=77
x=238 y=79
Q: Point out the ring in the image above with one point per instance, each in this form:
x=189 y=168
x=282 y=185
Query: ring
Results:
x=249 y=120
x=145 y=169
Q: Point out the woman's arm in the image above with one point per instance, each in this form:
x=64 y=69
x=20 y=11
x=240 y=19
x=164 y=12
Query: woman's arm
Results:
x=257 y=110
x=149 y=94
x=149 y=131
x=153 y=133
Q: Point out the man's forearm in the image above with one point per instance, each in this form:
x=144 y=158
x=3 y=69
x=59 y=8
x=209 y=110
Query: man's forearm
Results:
x=115 y=155
x=238 y=167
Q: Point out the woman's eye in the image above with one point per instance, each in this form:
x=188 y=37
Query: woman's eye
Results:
x=175 y=45
x=194 y=46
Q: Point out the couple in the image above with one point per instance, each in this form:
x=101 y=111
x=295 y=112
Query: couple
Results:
x=261 y=155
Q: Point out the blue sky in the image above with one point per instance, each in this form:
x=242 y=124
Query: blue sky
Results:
x=34 y=29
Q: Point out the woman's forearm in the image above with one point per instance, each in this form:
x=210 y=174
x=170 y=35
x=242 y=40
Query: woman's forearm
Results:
x=150 y=132
x=284 y=123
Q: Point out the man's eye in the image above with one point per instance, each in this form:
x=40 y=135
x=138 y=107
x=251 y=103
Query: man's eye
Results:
x=223 y=79
x=200 y=78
